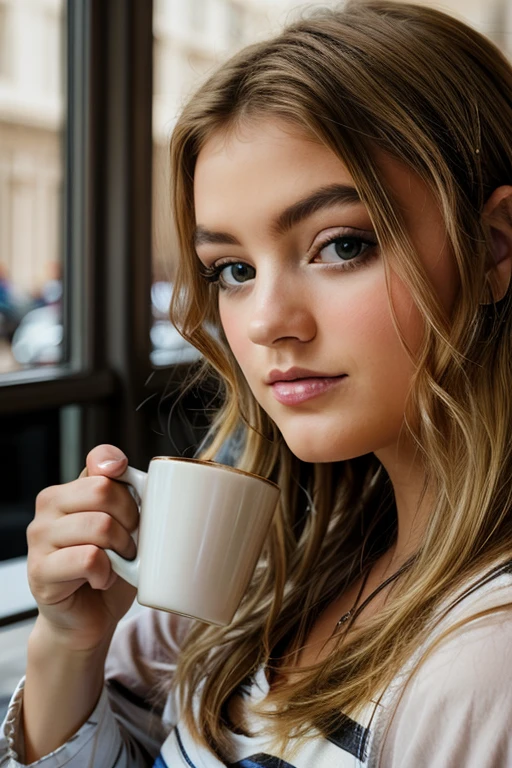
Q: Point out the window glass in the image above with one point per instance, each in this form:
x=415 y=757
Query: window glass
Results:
x=31 y=169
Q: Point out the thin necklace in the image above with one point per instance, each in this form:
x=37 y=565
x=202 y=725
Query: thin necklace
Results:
x=354 y=612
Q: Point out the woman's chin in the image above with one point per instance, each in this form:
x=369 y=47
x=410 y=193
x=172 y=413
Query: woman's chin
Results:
x=316 y=454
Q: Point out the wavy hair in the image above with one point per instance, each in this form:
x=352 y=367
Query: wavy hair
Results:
x=428 y=90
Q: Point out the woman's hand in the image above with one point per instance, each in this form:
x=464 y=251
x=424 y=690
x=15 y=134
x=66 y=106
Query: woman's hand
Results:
x=80 y=598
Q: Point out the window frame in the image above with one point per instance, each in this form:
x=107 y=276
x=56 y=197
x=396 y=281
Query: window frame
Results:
x=107 y=215
x=106 y=238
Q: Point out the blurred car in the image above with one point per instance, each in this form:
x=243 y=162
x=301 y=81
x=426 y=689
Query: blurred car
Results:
x=168 y=346
x=38 y=338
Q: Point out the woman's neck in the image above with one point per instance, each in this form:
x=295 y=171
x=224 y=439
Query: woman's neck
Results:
x=407 y=477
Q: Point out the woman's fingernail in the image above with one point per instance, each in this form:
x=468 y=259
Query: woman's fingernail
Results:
x=111 y=463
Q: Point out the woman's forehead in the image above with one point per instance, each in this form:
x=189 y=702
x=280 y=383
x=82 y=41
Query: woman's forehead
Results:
x=262 y=173
x=271 y=157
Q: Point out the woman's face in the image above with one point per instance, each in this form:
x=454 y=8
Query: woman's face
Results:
x=302 y=295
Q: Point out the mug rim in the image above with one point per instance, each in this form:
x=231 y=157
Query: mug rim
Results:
x=218 y=465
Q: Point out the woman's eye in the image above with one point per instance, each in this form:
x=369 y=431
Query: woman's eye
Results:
x=235 y=274
x=346 y=248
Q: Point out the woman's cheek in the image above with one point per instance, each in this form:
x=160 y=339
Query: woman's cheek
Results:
x=233 y=327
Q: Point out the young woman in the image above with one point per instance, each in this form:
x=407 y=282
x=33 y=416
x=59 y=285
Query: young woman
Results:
x=343 y=202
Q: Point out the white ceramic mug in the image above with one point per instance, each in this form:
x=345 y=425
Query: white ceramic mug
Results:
x=201 y=531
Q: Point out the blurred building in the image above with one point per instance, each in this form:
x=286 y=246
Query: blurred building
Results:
x=190 y=38
x=31 y=119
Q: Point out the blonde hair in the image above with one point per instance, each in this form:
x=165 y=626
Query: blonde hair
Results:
x=428 y=90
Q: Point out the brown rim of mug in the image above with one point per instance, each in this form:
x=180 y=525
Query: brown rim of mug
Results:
x=216 y=464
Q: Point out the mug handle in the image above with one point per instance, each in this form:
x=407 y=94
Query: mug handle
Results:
x=129 y=569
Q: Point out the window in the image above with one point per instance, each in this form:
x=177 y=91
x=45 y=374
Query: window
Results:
x=31 y=172
x=32 y=117
x=75 y=231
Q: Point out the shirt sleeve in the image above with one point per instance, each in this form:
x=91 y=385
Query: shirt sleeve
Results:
x=456 y=710
x=133 y=715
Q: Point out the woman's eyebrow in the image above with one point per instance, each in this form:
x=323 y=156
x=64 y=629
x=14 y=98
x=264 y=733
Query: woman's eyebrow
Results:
x=324 y=197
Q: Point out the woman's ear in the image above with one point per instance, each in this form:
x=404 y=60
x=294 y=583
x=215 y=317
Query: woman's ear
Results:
x=497 y=214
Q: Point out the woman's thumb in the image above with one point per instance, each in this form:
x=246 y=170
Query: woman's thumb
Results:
x=105 y=460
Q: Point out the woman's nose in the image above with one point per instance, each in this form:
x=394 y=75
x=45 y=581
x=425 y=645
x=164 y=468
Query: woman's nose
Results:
x=280 y=313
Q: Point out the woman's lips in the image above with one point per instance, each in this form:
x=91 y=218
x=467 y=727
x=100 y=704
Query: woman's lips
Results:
x=299 y=390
